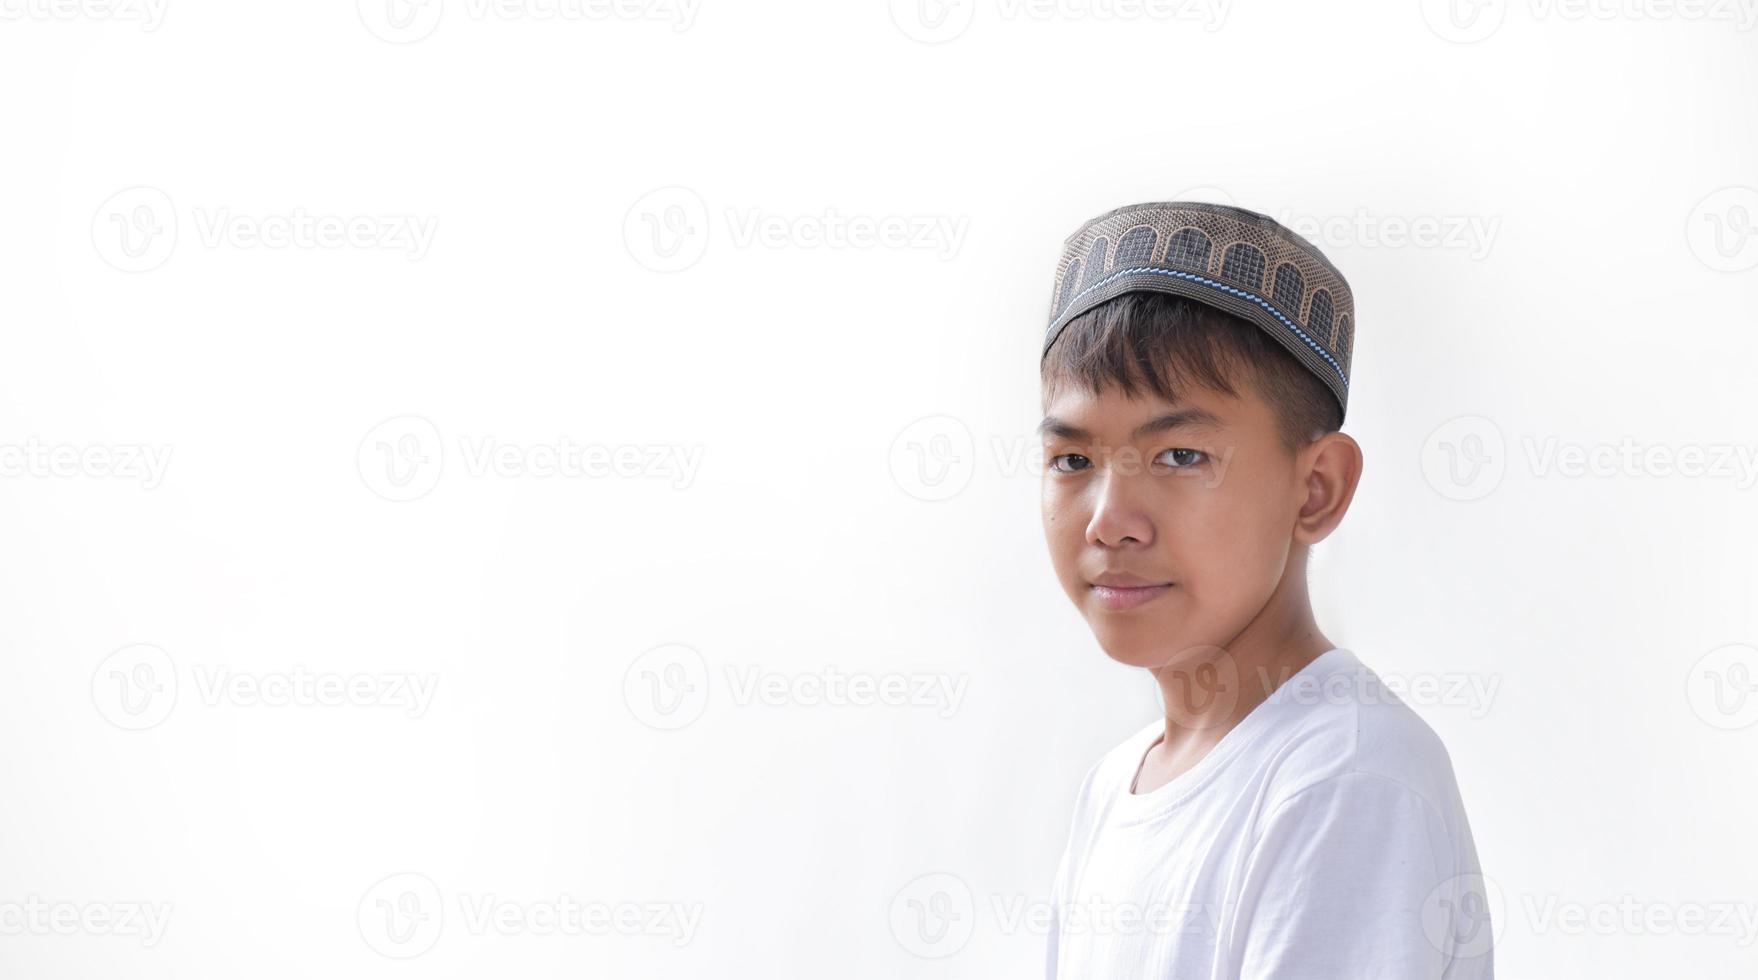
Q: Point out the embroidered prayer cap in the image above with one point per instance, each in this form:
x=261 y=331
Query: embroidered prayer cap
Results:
x=1229 y=258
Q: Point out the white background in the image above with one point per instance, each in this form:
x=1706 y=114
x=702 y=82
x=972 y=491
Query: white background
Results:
x=1549 y=219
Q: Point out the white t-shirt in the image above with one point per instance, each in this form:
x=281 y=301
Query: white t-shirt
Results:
x=1321 y=839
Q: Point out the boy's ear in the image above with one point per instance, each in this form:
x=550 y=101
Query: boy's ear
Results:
x=1329 y=471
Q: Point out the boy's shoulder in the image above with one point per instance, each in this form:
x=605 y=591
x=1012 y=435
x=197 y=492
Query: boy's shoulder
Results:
x=1342 y=720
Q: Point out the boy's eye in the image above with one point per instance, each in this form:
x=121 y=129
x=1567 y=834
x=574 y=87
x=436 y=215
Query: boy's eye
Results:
x=1069 y=463
x=1183 y=457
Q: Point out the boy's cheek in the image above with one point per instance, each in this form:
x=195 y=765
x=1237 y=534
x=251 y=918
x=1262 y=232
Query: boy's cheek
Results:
x=1062 y=512
x=1055 y=524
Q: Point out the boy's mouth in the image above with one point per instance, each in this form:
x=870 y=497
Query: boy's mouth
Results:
x=1118 y=592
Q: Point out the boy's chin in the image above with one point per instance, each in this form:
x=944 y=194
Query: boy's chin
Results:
x=1147 y=644
x=1135 y=645
x=1131 y=656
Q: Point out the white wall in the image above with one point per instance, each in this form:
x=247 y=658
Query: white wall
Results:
x=1570 y=165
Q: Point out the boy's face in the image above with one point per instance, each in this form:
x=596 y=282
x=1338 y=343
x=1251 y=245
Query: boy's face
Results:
x=1169 y=524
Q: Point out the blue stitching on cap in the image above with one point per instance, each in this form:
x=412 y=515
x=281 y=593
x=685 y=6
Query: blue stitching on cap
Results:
x=1259 y=300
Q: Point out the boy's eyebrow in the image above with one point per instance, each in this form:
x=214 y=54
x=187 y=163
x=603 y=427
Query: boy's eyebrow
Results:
x=1181 y=418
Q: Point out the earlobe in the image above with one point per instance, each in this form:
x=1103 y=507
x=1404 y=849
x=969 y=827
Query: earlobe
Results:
x=1332 y=471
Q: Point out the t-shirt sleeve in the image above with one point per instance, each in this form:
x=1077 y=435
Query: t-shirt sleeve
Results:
x=1337 y=883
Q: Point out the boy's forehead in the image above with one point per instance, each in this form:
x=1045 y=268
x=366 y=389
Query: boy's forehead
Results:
x=1112 y=398
x=1113 y=411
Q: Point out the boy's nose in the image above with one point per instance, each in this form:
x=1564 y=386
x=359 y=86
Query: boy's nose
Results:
x=1119 y=517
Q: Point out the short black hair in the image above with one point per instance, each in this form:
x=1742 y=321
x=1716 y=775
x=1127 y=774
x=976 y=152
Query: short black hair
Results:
x=1157 y=342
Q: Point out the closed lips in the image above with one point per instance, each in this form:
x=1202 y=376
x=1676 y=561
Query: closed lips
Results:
x=1119 y=592
x=1123 y=580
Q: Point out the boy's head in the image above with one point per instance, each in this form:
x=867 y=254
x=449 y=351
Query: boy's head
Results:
x=1192 y=456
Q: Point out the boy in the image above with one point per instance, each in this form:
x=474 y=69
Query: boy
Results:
x=1288 y=817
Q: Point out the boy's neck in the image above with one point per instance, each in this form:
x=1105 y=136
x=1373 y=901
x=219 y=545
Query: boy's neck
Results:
x=1204 y=703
